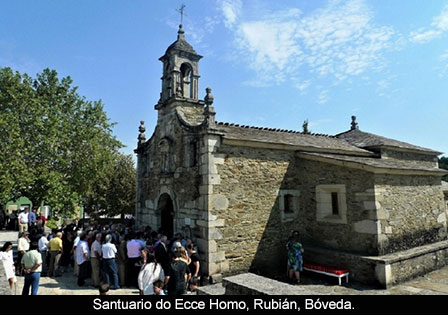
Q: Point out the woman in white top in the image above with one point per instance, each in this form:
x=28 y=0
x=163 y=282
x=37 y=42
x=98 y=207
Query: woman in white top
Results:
x=8 y=263
x=150 y=273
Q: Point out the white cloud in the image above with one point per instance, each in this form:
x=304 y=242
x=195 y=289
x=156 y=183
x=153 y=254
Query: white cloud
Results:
x=340 y=40
x=323 y=97
x=231 y=9
x=424 y=36
x=441 y=21
x=438 y=26
x=303 y=86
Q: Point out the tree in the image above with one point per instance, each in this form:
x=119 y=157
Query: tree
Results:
x=55 y=145
x=122 y=188
x=443 y=163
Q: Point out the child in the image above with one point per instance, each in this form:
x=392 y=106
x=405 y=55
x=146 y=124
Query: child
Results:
x=194 y=284
x=158 y=287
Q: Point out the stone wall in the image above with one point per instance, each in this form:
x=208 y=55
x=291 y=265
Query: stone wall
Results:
x=253 y=233
x=255 y=228
x=412 y=157
x=414 y=211
x=357 y=233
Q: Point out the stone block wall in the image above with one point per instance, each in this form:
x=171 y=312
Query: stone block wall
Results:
x=247 y=201
x=253 y=234
x=413 y=211
x=357 y=232
x=412 y=158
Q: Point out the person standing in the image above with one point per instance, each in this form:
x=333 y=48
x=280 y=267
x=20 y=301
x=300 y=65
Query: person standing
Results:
x=95 y=260
x=55 y=247
x=177 y=281
x=122 y=260
x=32 y=266
x=295 y=258
x=75 y=244
x=43 y=249
x=23 y=245
x=195 y=265
x=134 y=248
x=162 y=255
x=6 y=256
x=82 y=258
x=41 y=220
x=109 y=251
x=2 y=218
x=31 y=219
x=23 y=220
x=150 y=273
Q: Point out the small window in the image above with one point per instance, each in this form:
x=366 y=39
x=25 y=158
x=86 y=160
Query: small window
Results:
x=193 y=153
x=335 y=203
x=288 y=203
x=331 y=204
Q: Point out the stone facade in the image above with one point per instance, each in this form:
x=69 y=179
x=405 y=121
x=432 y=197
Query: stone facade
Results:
x=239 y=191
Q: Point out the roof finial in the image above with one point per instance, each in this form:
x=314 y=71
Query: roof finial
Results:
x=354 y=124
x=209 y=111
x=141 y=135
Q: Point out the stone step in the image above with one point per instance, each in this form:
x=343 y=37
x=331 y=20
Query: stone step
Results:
x=213 y=289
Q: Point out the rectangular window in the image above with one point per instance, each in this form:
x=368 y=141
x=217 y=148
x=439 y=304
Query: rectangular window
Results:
x=335 y=203
x=193 y=152
x=289 y=203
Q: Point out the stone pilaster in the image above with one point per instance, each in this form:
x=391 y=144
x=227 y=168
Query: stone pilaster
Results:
x=215 y=263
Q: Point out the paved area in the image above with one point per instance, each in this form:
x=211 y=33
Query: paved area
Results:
x=434 y=283
x=66 y=285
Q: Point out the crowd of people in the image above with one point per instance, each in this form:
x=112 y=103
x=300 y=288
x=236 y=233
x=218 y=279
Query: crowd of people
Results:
x=20 y=220
x=111 y=255
x=114 y=256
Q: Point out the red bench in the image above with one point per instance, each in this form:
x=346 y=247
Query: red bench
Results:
x=326 y=270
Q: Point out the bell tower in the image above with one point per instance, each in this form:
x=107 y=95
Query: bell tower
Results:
x=180 y=79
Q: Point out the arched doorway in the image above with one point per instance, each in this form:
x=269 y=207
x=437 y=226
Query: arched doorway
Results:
x=166 y=210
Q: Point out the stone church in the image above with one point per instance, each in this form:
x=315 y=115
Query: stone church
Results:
x=363 y=202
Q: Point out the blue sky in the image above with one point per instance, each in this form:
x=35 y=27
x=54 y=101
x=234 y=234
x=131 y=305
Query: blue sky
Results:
x=269 y=63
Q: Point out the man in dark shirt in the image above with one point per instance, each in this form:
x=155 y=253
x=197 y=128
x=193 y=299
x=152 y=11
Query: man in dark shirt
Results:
x=177 y=276
x=162 y=255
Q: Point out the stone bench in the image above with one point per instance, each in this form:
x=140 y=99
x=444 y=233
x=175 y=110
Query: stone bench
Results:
x=252 y=284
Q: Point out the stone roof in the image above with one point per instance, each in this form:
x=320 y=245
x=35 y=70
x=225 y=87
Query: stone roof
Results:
x=368 y=140
x=292 y=139
x=372 y=164
x=181 y=44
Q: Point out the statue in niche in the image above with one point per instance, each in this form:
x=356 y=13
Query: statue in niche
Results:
x=166 y=156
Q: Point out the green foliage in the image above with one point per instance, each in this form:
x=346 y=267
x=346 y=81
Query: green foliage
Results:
x=56 y=146
x=116 y=193
x=443 y=163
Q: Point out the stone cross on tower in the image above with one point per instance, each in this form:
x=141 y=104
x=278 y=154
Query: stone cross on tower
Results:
x=182 y=13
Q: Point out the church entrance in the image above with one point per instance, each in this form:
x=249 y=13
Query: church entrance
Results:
x=166 y=209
